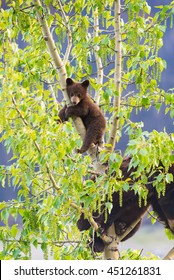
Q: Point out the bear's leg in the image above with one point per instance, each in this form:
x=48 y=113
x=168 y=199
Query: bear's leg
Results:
x=87 y=142
x=120 y=227
x=97 y=244
x=62 y=114
x=83 y=223
x=93 y=136
x=131 y=233
x=167 y=205
x=157 y=209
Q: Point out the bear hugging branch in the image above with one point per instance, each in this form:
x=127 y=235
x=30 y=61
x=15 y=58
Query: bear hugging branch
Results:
x=83 y=107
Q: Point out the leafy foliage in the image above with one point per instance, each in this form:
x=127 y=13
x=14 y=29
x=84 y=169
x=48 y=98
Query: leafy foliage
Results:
x=44 y=169
x=136 y=255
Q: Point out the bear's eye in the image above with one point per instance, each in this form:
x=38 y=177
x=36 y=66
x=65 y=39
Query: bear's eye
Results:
x=71 y=94
x=78 y=95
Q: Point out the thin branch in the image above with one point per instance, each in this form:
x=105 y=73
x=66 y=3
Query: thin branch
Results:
x=26 y=8
x=117 y=77
x=69 y=45
x=51 y=47
x=40 y=243
x=156 y=218
x=97 y=57
x=50 y=86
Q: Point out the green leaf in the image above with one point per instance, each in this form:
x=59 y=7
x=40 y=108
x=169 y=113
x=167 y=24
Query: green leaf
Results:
x=109 y=206
x=160 y=177
x=14 y=231
x=169 y=178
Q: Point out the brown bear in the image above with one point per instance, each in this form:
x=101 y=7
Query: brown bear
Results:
x=83 y=107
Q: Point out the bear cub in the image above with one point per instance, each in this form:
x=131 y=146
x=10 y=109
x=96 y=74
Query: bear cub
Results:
x=83 y=107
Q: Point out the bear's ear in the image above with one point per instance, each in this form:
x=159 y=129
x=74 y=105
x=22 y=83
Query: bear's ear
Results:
x=69 y=81
x=85 y=84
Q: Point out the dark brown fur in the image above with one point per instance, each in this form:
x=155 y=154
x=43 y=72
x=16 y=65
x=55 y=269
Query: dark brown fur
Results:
x=124 y=216
x=92 y=117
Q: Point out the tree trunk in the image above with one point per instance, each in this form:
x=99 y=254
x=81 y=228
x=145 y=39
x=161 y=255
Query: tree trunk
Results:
x=117 y=78
x=111 y=250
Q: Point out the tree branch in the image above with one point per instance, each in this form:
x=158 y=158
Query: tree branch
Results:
x=117 y=77
x=97 y=57
x=170 y=255
x=68 y=49
x=131 y=227
x=111 y=251
x=58 y=63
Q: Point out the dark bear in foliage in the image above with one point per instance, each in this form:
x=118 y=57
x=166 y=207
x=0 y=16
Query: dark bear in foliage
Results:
x=164 y=206
x=124 y=216
x=83 y=107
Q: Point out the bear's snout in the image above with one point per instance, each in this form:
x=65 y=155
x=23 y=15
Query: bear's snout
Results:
x=75 y=100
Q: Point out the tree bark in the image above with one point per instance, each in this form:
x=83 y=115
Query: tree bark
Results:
x=58 y=63
x=117 y=77
x=98 y=58
x=170 y=255
x=111 y=250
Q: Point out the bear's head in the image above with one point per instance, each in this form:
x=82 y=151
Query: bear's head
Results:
x=76 y=91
